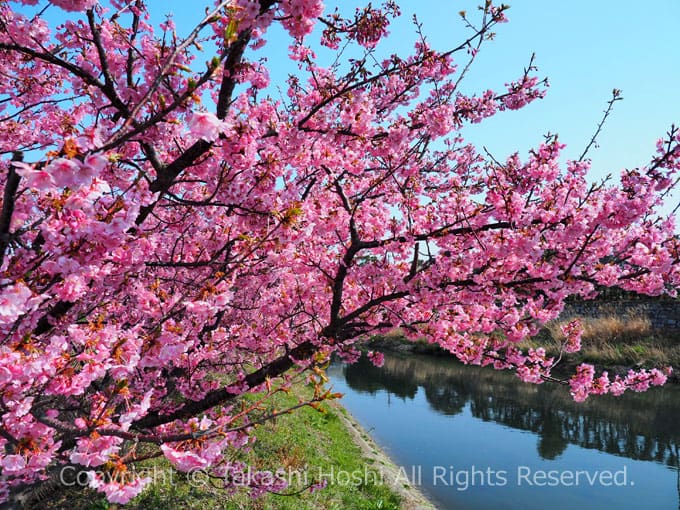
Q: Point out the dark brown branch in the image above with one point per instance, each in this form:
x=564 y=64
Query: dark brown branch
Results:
x=586 y=242
x=221 y=396
x=129 y=65
x=8 y=200
x=53 y=59
x=56 y=312
x=167 y=175
x=109 y=82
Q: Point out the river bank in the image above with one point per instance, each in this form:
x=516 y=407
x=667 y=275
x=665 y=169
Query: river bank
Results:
x=307 y=446
x=394 y=476
x=310 y=446
x=477 y=436
x=613 y=343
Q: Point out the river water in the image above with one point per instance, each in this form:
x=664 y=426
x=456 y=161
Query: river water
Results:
x=474 y=438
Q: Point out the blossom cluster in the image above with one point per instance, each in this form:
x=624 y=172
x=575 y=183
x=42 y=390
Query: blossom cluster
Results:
x=174 y=236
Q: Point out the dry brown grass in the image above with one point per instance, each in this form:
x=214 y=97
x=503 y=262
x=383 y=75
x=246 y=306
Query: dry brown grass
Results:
x=608 y=341
x=601 y=331
x=614 y=340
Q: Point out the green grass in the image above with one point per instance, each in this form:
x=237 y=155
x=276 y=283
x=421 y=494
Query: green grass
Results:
x=306 y=441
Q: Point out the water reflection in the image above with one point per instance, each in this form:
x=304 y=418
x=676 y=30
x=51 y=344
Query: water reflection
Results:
x=636 y=426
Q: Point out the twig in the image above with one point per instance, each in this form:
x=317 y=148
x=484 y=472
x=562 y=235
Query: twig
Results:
x=616 y=96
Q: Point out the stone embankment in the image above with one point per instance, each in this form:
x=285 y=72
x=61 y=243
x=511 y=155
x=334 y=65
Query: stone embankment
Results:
x=663 y=314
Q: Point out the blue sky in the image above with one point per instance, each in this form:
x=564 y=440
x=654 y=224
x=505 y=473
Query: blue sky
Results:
x=585 y=48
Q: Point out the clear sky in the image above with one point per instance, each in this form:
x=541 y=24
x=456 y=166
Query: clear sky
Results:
x=585 y=48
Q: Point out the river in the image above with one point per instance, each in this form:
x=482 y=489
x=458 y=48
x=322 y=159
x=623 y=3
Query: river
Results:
x=474 y=438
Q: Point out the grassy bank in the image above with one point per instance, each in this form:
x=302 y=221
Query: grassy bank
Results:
x=610 y=342
x=305 y=441
x=614 y=342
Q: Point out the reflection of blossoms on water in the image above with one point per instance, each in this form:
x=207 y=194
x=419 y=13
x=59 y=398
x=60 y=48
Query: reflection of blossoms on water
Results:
x=636 y=426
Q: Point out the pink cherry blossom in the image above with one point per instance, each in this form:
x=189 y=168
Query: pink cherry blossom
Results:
x=12 y=464
x=205 y=125
x=377 y=358
x=74 y=5
x=573 y=332
x=183 y=460
x=64 y=172
x=13 y=302
x=37 y=179
x=179 y=237
x=117 y=491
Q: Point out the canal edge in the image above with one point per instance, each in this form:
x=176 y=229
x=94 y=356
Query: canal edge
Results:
x=412 y=496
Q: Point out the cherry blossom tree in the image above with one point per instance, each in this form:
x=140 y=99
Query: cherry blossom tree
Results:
x=173 y=234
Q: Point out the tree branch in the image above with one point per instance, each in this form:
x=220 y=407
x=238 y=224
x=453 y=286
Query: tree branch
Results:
x=8 y=200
